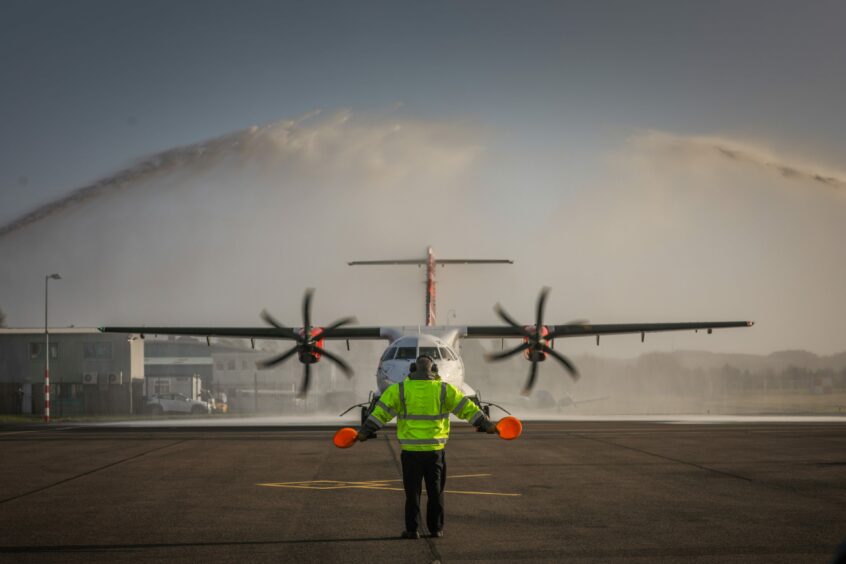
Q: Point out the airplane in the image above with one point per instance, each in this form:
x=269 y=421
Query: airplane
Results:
x=441 y=342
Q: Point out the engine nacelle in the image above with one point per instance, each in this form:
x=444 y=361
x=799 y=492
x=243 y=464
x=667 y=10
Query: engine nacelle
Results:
x=308 y=356
x=529 y=353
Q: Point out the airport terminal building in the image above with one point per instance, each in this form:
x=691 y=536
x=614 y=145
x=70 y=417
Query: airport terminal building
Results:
x=91 y=373
x=94 y=373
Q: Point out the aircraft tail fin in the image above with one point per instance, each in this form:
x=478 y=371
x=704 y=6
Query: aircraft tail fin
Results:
x=430 y=261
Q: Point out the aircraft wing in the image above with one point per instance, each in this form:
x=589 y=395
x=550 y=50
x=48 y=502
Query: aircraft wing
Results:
x=286 y=333
x=589 y=329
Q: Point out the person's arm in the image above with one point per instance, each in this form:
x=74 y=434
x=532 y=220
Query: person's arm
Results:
x=383 y=412
x=465 y=408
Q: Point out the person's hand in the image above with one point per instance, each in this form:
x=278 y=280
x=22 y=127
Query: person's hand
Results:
x=361 y=437
x=492 y=430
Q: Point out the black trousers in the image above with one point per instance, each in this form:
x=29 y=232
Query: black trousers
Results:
x=428 y=466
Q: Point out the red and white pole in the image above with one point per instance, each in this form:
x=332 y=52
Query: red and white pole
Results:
x=47 y=395
x=46 y=356
x=47 y=349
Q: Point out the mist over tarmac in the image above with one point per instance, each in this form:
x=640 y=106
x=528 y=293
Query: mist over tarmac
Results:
x=668 y=228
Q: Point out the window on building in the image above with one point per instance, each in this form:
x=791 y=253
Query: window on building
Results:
x=230 y=365
x=36 y=351
x=97 y=351
x=103 y=350
x=161 y=387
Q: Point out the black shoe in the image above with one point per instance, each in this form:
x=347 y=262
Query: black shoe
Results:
x=410 y=535
x=437 y=535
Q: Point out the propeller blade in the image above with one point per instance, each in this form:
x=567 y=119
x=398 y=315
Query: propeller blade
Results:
x=273 y=361
x=571 y=368
x=541 y=303
x=307 y=311
x=500 y=311
x=327 y=331
x=270 y=320
x=533 y=373
x=348 y=371
x=505 y=354
x=306 y=380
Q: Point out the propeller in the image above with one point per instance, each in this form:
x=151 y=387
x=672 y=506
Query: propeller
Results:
x=307 y=347
x=535 y=343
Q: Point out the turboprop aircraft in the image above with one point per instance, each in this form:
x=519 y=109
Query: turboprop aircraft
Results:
x=441 y=342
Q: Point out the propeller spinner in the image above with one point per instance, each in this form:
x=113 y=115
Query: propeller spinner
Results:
x=309 y=347
x=534 y=343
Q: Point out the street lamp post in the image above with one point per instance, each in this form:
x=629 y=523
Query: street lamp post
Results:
x=47 y=349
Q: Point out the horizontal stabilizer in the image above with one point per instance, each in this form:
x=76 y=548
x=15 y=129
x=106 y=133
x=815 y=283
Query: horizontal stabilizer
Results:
x=437 y=261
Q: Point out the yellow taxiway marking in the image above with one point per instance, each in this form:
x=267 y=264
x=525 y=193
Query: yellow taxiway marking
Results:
x=374 y=485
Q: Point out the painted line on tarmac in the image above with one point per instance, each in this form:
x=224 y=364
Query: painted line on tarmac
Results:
x=445 y=491
x=60 y=482
x=374 y=485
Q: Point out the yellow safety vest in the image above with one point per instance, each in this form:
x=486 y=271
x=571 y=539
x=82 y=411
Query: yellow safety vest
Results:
x=422 y=409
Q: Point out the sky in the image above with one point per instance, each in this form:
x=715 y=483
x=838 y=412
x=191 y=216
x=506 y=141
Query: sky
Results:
x=194 y=162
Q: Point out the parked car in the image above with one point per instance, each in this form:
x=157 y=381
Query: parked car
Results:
x=176 y=403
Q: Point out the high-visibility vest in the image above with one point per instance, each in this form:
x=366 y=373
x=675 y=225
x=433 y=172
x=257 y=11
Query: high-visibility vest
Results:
x=422 y=409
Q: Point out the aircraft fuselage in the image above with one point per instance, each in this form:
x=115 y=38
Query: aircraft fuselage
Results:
x=394 y=365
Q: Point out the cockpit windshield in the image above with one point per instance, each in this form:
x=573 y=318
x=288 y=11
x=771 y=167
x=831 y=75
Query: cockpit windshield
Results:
x=389 y=353
x=406 y=353
x=447 y=354
x=430 y=351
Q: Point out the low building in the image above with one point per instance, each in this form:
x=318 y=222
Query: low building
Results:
x=91 y=373
x=177 y=365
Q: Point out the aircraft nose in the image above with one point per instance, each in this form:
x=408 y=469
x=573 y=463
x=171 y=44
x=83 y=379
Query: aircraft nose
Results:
x=395 y=372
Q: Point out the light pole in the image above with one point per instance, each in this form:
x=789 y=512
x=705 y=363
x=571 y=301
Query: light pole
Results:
x=47 y=349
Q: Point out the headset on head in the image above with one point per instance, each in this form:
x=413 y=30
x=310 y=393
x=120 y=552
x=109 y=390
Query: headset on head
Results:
x=413 y=367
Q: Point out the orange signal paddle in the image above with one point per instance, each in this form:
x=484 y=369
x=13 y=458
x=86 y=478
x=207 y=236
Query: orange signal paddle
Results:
x=345 y=438
x=509 y=428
